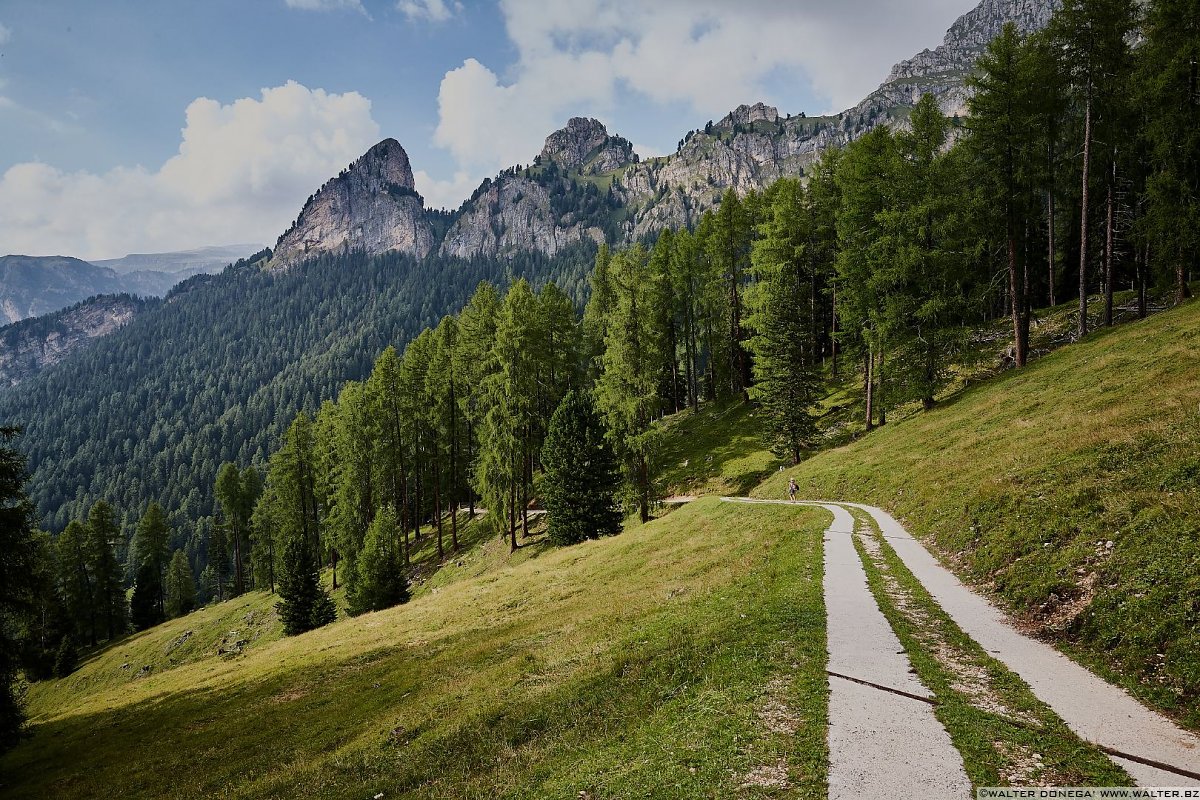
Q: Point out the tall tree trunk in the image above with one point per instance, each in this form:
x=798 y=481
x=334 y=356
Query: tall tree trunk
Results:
x=1141 y=258
x=437 y=507
x=869 y=386
x=1083 y=218
x=643 y=488
x=470 y=455
x=1020 y=328
x=333 y=558
x=879 y=389
x=512 y=513
x=833 y=343
x=1182 y=290
x=1108 y=252
x=526 y=473
x=1050 y=243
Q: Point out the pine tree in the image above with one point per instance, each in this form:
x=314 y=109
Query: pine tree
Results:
x=17 y=546
x=232 y=499
x=103 y=533
x=380 y=581
x=627 y=392
x=150 y=550
x=783 y=306
x=181 y=588
x=1002 y=137
x=1168 y=92
x=303 y=604
x=144 y=609
x=75 y=581
x=582 y=474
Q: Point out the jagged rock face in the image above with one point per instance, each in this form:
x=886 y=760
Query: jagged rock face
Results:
x=747 y=115
x=752 y=146
x=514 y=214
x=585 y=146
x=371 y=206
x=970 y=34
x=32 y=345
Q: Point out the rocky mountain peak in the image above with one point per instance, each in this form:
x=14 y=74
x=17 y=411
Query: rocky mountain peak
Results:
x=970 y=34
x=745 y=115
x=372 y=205
x=385 y=164
x=585 y=145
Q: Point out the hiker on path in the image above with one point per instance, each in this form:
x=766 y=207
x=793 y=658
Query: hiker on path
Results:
x=793 y=487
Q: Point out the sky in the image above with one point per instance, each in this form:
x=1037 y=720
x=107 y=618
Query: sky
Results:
x=171 y=124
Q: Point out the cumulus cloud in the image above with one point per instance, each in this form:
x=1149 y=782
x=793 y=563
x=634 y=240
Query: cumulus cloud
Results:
x=449 y=193
x=576 y=56
x=432 y=10
x=242 y=173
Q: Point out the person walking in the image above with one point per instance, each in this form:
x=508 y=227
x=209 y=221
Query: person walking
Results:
x=793 y=488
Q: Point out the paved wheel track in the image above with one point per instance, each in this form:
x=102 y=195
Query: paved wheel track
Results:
x=1151 y=748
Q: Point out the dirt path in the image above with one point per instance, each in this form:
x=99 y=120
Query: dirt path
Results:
x=1151 y=748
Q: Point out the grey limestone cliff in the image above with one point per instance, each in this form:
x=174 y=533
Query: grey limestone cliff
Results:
x=371 y=206
x=29 y=346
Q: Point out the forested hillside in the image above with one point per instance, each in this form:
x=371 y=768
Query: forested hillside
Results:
x=218 y=371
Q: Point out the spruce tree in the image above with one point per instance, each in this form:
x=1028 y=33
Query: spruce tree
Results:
x=144 y=608
x=148 y=556
x=380 y=581
x=783 y=304
x=103 y=533
x=303 y=603
x=17 y=554
x=181 y=588
x=582 y=473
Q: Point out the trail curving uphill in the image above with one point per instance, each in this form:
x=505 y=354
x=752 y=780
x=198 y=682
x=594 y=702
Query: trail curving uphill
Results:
x=1151 y=748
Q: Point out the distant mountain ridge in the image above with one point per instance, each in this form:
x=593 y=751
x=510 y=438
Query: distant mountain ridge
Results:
x=29 y=346
x=190 y=262
x=215 y=371
x=588 y=185
x=31 y=286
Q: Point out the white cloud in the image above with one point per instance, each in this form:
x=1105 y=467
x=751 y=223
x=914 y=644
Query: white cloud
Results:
x=327 y=5
x=447 y=194
x=579 y=56
x=242 y=173
x=5 y=34
x=432 y=10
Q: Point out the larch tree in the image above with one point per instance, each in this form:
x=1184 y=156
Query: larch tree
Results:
x=627 y=392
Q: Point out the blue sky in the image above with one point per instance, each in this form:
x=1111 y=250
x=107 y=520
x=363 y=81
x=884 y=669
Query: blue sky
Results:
x=138 y=126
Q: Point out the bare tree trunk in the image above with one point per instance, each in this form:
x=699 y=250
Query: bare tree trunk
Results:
x=1108 y=253
x=833 y=344
x=1182 y=290
x=1050 y=246
x=512 y=514
x=879 y=389
x=1141 y=258
x=869 y=387
x=1016 y=304
x=437 y=507
x=1083 y=219
x=644 y=489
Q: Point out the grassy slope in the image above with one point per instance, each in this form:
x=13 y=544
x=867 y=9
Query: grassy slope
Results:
x=681 y=658
x=718 y=450
x=1021 y=481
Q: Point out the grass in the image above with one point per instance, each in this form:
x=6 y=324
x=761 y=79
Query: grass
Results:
x=717 y=450
x=1022 y=481
x=683 y=658
x=1006 y=736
